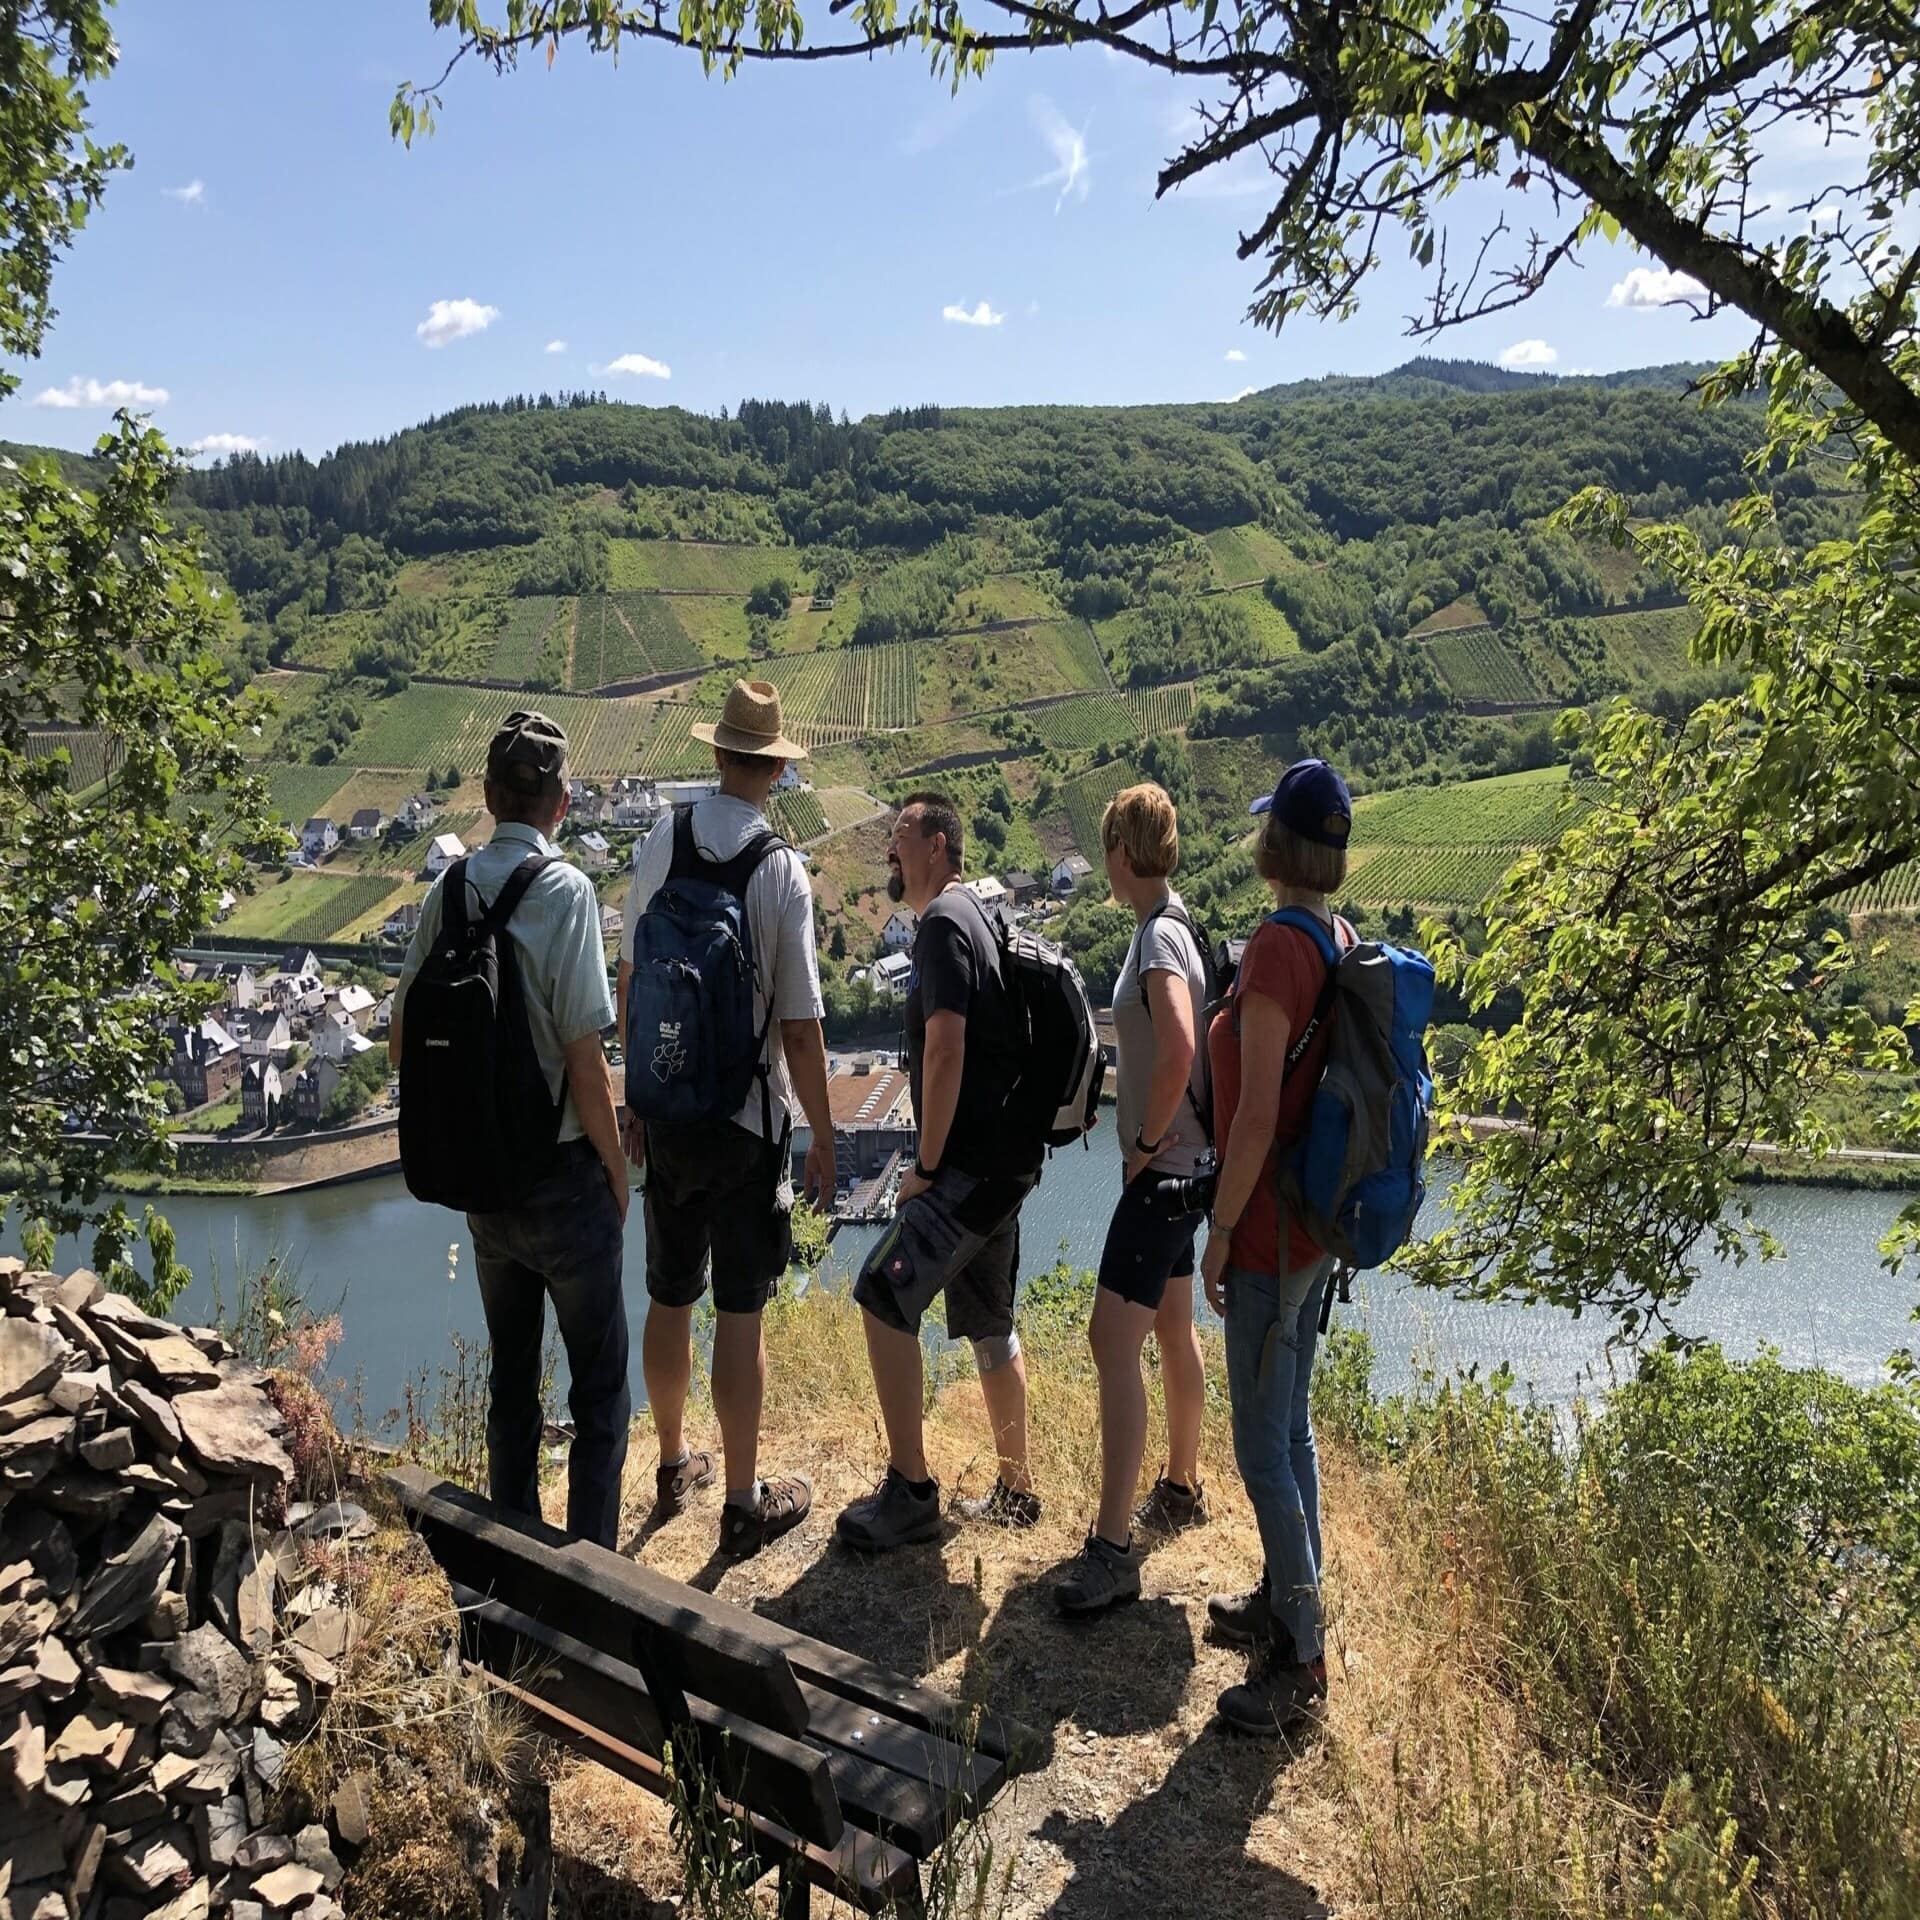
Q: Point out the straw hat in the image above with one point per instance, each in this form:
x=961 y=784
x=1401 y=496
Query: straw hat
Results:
x=750 y=723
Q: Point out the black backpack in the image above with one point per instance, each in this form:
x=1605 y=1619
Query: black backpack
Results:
x=478 y=1125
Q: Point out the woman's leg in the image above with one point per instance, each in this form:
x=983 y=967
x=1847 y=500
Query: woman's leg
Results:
x=1263 y=1314
x=1118 y=1332
x=1301 y=1451
x=1183 y=1378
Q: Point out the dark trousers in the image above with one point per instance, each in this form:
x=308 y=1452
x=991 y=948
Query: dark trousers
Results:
x=563 y=1241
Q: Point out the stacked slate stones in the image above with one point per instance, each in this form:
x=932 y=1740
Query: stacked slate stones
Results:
x=160 y=1644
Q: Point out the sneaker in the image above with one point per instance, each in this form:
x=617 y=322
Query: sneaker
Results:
x=1278 y=1694
x=1241 y=1619
x=892 y=1515
x=674 y=1487
x=784 y=1503
x=1002 y=1507
x=1102 y=1577
x=1172 y=1508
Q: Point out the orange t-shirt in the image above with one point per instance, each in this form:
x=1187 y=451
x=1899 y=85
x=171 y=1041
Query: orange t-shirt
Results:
x=1282 y=964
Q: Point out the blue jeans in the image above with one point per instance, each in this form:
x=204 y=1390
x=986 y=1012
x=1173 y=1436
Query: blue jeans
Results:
x=564 y=1240
x=1273 y=1328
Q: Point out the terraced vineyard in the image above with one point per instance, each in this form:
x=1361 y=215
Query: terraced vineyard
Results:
x=1162 y=709
x=311 y=906
x=669 y=748
x=1086 y=800
x=1464 y=612
x=629 y=636
x=799 y=815
x=1481 y=666
x=1094 y=720
x=1898 y=889
x=679 y=566
x=299 y=793
x=1246 y=553
x=845 y=692
x=91 y=754
x=435 y=726
x=1072 y=644
x=893 y=698
x=527 y=620
x=1430 y=876
x=1509 y=810
x=1649 y=647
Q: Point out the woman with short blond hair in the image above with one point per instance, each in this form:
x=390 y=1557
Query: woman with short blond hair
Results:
x=1146 y=1270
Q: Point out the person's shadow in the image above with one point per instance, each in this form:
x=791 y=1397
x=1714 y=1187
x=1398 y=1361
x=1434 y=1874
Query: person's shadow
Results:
x=1182 y=1847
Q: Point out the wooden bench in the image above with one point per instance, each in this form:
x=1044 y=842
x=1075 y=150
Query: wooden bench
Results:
x=836 y=1772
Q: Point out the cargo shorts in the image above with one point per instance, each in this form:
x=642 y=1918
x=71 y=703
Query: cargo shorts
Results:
x=962 y=1238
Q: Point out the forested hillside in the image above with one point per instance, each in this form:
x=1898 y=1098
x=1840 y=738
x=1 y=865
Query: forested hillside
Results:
x=1037 y=602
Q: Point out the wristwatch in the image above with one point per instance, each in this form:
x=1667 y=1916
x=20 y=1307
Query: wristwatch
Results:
x=924 y=1173
x=1140 y=1146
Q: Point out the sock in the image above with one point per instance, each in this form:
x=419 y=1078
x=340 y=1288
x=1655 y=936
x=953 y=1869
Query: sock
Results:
x=746 y=1497
x=1117 y=1546
x=921 y=1489
x=678 y=1461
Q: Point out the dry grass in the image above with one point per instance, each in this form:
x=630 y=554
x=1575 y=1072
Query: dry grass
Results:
x=1146 y=1801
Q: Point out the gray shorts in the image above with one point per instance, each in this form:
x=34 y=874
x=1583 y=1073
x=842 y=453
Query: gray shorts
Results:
x=960 y=1237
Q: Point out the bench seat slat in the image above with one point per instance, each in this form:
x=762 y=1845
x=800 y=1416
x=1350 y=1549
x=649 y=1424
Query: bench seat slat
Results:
x=966 y=1781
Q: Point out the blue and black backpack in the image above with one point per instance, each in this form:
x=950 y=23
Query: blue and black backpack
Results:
x=694 y=1048
x=1357 y=1175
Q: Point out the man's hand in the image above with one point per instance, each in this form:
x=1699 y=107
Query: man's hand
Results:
x=911 y=1188
x=633 y=1137
x=1213 y=1270
x=616 y=1171
x=1134 y=1165
x=820 y=1182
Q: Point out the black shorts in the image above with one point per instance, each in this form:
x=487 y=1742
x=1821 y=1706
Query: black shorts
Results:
x=716 y=1190
x=1149 y=1242
x=962 y=1236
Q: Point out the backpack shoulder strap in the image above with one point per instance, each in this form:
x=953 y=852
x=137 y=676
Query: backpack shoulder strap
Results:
x=1304 y=922
x=686 y=858
x=735 y=873
x=514 y=891
x=453 y=898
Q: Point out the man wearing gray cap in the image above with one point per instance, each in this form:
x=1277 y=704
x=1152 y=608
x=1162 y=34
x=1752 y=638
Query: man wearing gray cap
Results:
x=562 y=1235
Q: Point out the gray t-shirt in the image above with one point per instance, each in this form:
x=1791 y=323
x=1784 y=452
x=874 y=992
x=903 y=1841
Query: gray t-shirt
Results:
x=1160 y=945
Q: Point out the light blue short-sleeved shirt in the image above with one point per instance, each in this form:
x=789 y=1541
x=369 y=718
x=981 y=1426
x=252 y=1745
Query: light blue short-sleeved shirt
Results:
x=556 y=935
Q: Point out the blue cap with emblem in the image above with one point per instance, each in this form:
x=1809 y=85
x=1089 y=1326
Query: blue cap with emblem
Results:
x=1312 y=800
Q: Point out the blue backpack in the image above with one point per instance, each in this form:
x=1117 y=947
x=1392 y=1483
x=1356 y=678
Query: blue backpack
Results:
x=1357 y=1176
x=693 y=1048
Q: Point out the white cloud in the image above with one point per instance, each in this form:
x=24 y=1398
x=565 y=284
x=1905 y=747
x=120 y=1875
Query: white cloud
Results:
x=1071 y=171
x=1647 y=288
x=453 y=320
x=191 y=195
x=556 y=346
x=639 y=364
x=1528 y=353
x=979 y=316
x=79 y=392
x=1235 y=355
x=228 y=443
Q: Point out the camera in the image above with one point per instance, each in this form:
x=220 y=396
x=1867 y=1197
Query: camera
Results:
x=1190 y=1193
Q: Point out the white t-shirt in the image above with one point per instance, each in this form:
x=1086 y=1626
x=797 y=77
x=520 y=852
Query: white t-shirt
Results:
x=779 y=918
x=1161 y=944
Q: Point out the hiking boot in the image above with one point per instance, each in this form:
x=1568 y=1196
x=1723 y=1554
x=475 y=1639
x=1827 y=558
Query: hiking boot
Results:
x=1241 y=1619
x=892 y=1515
x=1278 y=1695
x=783 y=1504
x=1172 y=1508
x=1002 y=1507
x=674 y=1487
x=1102 y=1577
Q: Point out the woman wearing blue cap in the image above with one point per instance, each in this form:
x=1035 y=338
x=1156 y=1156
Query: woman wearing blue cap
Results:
x=1262 y=1273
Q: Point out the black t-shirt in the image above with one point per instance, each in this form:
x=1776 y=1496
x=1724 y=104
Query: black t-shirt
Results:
x=956 y=969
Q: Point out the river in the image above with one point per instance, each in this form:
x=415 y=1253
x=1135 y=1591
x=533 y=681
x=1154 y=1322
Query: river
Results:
x=401 y=1275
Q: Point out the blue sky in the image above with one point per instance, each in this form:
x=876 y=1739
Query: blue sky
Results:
x=276 y=266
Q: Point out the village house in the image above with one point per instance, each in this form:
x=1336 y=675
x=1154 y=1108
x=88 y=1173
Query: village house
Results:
x=243 y=990
x=400 y=923
x=683 y=793
x=1022 y=887
x=225 y=904
x=319 y=837
x=366 y=823
x=382 y=1014
x=446 y=849
x=302 y=961
x=595 y=855
x=356 y=1003
x=636 y=802
x=335 y=1037
x=889 y=974
x=897 y=935
x=313 y=1087
x=262 y=1095
x=268 y=1037
x=417 y=812
x=613 y=923
x=206 y=1062
x=1068 y=873
x=988 y=891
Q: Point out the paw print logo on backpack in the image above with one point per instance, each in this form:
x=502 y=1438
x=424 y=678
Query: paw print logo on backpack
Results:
x=669 y=1056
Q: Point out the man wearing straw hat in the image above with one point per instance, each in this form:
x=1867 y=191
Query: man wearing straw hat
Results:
x=720 y=1192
